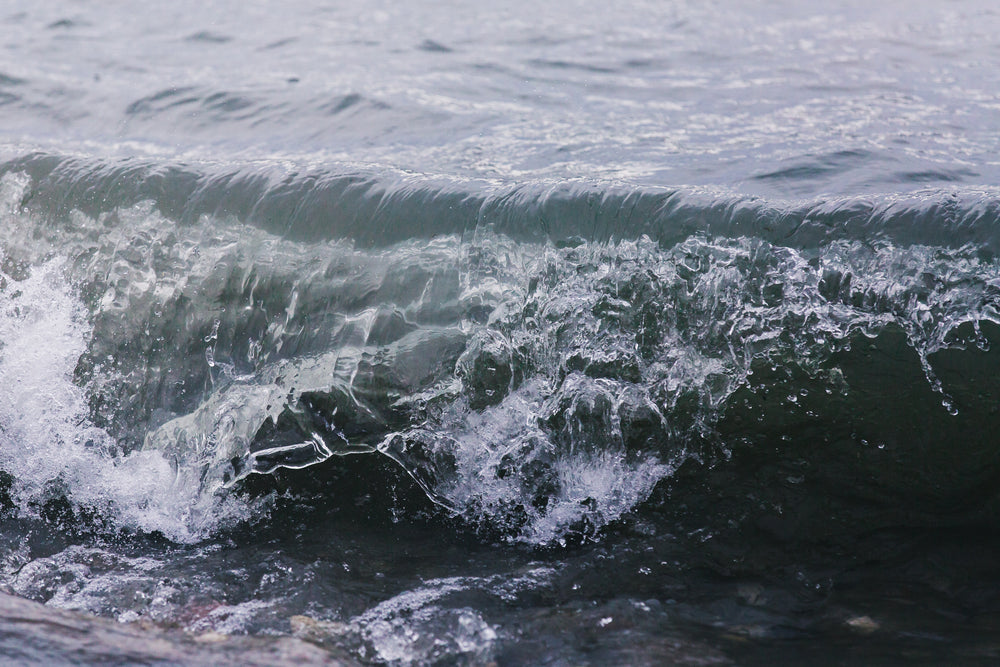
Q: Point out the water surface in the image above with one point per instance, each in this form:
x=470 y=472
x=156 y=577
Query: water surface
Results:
x=618 y=333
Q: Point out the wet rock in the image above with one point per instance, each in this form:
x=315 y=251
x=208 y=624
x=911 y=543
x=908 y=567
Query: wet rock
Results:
x=33 y=634
x=318 y=632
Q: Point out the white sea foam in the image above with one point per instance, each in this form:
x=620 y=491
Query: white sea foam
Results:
x=47 y=440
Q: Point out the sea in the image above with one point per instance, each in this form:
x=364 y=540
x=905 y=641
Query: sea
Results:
x=509 y=332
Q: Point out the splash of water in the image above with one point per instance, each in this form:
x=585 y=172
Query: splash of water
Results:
x=47 y=440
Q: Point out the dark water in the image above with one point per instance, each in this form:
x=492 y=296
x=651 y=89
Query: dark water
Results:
x=567 y=334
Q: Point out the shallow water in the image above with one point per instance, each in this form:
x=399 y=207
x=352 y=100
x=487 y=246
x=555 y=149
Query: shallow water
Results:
x=576 y=334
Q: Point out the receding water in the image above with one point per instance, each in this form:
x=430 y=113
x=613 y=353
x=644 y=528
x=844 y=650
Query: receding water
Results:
x=563 y=333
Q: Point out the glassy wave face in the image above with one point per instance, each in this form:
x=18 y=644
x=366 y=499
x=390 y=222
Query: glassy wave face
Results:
x=539 y=386
x=709 y=291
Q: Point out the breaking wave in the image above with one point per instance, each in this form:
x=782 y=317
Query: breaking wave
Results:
x=538 y=360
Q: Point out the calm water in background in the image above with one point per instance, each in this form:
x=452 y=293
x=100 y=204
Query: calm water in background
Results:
x=562 y=333
x=783 y=100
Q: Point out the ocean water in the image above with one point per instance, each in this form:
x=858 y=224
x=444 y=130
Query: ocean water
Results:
x=566 y=333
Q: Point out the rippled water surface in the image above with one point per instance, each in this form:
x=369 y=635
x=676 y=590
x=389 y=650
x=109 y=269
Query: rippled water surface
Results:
x=782 y=99
x=514 y=333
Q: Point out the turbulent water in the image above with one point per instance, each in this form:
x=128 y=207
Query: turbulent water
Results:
x=575 y=333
